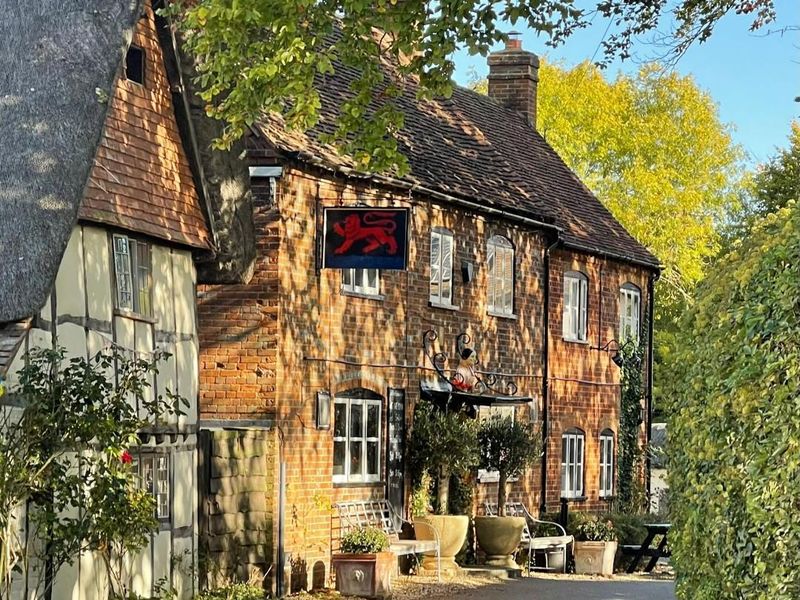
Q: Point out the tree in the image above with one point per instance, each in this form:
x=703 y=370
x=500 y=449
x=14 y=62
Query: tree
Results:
x=253 y=57
x=734 y=431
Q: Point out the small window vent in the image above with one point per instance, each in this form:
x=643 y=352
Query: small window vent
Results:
x=134 y=65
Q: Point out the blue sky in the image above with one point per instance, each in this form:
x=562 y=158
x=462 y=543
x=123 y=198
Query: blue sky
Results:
x=753 y=77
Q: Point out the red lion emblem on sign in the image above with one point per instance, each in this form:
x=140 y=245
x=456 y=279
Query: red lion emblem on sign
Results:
x=376 y=230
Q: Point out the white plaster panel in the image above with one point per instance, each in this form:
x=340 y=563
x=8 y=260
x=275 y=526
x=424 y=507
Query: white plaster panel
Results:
x=183 y=495
x=182 y=575
x=94 y=578
x=72 y=338
x=141 y=571
x=162 y=555
x=124 y=332
x=163 y=295
x=65 y=586
x=45 y=312
x=183 y=276
x=16 y=364
x=144 y=346
x=187 y=361
x=167 y=378
x=70 y=288
x=99 y=276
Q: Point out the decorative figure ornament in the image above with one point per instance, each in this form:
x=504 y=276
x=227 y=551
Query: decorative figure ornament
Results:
x=464 y=379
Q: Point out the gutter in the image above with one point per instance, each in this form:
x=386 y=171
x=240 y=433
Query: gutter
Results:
x=655 y=267
x=546 y=372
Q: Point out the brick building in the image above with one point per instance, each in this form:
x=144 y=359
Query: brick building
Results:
x=505 y=245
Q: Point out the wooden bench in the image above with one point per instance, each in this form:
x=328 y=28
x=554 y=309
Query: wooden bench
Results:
x=646 y=550
x=536 y=543
x=381 y=514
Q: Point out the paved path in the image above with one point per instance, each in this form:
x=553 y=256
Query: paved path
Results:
x=566 y=589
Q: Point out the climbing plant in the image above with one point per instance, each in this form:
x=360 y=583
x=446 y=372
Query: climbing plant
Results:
x=630 y=452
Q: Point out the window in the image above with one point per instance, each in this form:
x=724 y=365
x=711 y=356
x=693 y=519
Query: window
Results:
x=629 y=309
x=362 y=281
x=501 y=275
x=575 y=297
x=572 y=464
x=494 y=412
x=153 y=471
x=606 y=463
x=134 y=65
x=132 y=273
x=357 y=437
x=441 y=288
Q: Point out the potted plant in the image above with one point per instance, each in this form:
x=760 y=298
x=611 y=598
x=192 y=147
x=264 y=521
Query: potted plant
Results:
x=363 y=567
x=508 y=447
x=595 y=546
x=443 y=443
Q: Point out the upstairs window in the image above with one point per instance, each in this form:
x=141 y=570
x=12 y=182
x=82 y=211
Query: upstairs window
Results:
x=362 y=281
x=606 y=463
x=357 y=437
x=501 y=275
x=134 y=65
x=572 y=443
x=132 y=275
x=153 y=472
x=576 y=286
x=441 y=284
x=630 y=300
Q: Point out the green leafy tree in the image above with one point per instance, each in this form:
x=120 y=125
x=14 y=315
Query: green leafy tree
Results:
x=65 y=431
x=734 y=431
x=270 y=55
x=508 y=447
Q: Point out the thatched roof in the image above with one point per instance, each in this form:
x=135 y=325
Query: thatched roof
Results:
x=58 y=62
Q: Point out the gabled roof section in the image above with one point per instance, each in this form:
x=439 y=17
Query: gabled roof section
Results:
x=470 y=147
x=57 y=64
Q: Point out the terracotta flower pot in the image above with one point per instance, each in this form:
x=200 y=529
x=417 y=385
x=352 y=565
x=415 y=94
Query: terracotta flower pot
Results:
x=452 y=530
x=595 y=558
x=365 y=575
x=499 y=538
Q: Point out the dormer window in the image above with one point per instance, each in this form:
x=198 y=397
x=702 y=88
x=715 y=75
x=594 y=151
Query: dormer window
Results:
x=134 y=65
x=132 y=275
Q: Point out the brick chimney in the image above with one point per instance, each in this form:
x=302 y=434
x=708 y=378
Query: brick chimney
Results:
x=513 y=77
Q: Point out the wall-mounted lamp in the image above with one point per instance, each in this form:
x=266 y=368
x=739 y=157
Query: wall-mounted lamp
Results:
x=467 y=271
x=323 y=410
x=614 y=346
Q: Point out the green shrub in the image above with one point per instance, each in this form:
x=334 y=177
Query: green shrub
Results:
x=734 y=427
x=630 y=528
x=235 y=591
x=592 y=528
x=364 y=540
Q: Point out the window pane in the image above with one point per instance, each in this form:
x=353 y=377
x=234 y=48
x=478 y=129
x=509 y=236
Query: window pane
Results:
x=508 y=280
x=338 y=457
x=358 y=277
x=372 y=458
x=435 y=266
x=492 y=276
x=373 y=420
x=347 y=278
x=356 y=420
x=372 y=280
x=447 y=267
x=340 y=420
x=356 y=458
x=122 y=272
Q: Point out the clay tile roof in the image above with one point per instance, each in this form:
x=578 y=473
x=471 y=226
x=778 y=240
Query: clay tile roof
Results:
x=469 y=146
x=11 y=336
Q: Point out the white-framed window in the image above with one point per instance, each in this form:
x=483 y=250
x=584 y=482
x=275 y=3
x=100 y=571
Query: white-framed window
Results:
x=494 y=412
x=442 y=251
x=500 y=258
x=606 y=463
x=132 y=274
x=572 y=443
x=357 y=438
x=153 y=473
x=362 y=281
x=630 y=302
x=576 y=288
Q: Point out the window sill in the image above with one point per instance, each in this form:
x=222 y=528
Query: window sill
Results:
x=129 y=314
x=433 y=304
x=501 y=315
x=358 y=484
x=575 y=341
x=575 y=498
x=607 y=497
x=377 y=297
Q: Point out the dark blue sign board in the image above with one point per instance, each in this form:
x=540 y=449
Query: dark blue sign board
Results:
x=365 y=238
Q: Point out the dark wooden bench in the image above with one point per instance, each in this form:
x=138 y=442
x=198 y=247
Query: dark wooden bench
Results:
x=644 y=550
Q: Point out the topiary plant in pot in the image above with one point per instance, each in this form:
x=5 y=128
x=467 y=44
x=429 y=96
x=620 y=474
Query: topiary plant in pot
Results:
x=595 y=546
x=443 y=443
x=508 y=447
x=363 y=566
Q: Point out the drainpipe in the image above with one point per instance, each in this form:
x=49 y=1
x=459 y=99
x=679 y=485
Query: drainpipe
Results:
x=545 y=372
x=649 y=397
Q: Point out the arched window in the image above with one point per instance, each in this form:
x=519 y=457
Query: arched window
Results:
x=606 y=463
x=501 y=275
x=357 y=436
x=572 y=443
x=630 y=302
x=576 y=289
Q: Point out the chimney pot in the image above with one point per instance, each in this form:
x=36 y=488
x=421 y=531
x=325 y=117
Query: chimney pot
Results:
x=513 y=78
x=514 y=41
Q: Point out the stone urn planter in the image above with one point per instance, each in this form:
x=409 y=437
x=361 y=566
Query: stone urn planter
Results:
x=499 y=538
x=595 y=558
x=452 y=530
x=365 y=575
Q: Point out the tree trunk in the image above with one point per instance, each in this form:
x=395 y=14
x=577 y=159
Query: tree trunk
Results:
x=501 y=494
x=443 y=493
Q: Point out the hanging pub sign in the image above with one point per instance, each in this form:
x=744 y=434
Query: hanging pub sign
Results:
x=365 y=238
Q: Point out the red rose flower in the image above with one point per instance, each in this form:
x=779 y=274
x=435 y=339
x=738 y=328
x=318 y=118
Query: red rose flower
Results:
x=126 y=457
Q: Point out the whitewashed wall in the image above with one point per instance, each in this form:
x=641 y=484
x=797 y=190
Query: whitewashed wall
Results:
x=80 y=316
